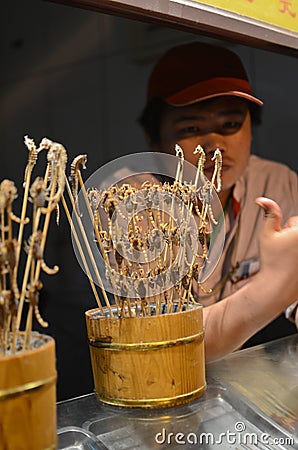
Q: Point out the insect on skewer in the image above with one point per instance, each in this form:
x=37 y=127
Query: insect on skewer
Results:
x=155 y=241
x=45 y=200
x=57 y=158
x=149 y=261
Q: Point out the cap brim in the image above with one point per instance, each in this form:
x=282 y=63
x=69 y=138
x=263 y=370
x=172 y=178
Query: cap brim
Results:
x=216 y=87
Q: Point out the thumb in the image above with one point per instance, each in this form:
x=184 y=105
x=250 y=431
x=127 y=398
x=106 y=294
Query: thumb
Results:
x=273 y=214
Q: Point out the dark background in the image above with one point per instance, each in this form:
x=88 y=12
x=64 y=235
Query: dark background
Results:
x=79 y=77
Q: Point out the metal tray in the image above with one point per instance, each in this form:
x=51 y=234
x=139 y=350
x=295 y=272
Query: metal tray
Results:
x=250 y=403
x=217 y=420
x=76 y=438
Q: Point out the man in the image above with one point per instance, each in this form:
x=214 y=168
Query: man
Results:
x=199 y=94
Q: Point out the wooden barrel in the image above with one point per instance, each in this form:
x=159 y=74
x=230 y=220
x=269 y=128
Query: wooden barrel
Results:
x=148 y=362
x=28 y=397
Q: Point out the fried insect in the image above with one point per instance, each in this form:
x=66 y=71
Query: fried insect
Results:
x=153 y=251
x=8 y=193
x=57 y=160
x=44 y=193
x=33 y=154
x=80 y=160
x=38 y=193
x=34 y=246
x=32 y=297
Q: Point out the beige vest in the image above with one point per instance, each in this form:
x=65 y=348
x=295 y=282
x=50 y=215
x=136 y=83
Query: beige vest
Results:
x=261 y=178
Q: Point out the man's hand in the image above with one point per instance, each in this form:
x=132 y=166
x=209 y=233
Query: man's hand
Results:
x=279 y=246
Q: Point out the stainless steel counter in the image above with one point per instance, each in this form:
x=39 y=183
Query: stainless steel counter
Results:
x=251 y=402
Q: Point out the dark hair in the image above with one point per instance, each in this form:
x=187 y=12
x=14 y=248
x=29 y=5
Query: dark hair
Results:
x=151 y=115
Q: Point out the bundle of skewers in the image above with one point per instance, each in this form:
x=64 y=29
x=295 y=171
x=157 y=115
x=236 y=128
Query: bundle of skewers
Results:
x=152 y=238
x=19 y=293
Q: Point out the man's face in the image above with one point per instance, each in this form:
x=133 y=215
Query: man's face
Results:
x=222 y=122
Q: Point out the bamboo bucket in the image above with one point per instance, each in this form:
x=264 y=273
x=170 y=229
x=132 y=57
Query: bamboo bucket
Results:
x=147 y=362
x=28 y=397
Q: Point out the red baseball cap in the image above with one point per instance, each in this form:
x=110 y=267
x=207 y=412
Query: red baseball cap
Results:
x=193 y=72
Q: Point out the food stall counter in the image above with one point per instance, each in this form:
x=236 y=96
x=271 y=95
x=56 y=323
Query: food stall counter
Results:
x=251 y=402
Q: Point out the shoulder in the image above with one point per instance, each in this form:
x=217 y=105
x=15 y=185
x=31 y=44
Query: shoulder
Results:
x=257 y=163
x=266 y=172
x=274 y=180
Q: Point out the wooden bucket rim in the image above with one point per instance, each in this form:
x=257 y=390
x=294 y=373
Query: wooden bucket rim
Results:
x=98 y=312
x=44 y=338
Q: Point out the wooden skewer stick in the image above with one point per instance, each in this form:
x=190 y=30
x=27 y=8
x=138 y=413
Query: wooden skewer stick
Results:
x=82 y=255
x=33 y=152
x=26 y=274
x=35 y=225
x=86 y=243
x=52 y=203
x=42 y=244
x=57 y=183
x=89 y=211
